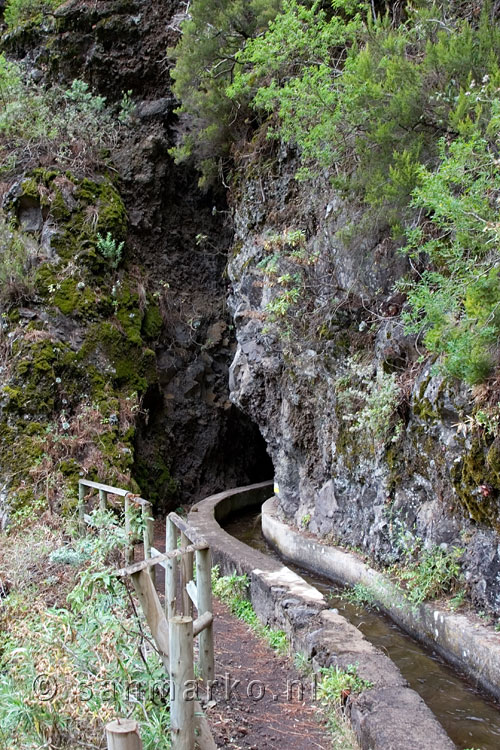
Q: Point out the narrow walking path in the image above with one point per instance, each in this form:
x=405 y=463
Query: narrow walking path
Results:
x=259 y=701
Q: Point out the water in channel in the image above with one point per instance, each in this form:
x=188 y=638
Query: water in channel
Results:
x=471 y=720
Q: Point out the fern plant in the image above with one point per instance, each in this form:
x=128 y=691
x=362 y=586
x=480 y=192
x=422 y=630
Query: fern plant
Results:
x=110 y=248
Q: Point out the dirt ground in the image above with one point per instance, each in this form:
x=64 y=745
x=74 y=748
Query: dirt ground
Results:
x=260 y=701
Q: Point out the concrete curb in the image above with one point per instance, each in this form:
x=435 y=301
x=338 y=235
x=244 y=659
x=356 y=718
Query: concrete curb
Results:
x=389 y=716
x=470 y=647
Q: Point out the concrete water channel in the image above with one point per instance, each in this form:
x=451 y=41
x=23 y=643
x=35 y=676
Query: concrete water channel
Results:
x=470 y=719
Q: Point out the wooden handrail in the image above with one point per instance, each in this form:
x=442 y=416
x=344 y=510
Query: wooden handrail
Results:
x=109 y=490
x=104 y=487
x=187 y=530
x=157 y=560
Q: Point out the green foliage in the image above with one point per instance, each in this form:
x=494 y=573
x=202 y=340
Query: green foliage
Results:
x=288 y=269
x=356 y=93
x=288 y=73
x=232 y=591
x=226 y=588
x=67 y=128
x=336 y=684
x=456 y=302
x=205 y=65
x=435 y=573
x=66 y=671
x=360 y=595
x=69 y=555
x=127 y=107
x=18 y=12
x=368 y=403
x=305 y=520
x=16 y=264
x=457 y=600
x=110 y=249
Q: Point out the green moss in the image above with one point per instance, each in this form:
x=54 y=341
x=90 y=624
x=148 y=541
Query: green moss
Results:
x=423 y=408
x=45 y=176
x=129 y=314
x=30 y=188
x=72 y=299
x=46 y=278
x=110 y=212
x=132 y=365
x=476 y=480
x=152 y=323
x=38 y=366
x=58 y=208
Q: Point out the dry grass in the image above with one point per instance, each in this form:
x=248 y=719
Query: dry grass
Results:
x=25 y=566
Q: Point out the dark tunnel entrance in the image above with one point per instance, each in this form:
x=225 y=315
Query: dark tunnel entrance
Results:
x=185 y=451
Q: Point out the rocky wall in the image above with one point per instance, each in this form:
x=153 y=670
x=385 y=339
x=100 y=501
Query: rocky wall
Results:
x=117 y=370
x=372 y=447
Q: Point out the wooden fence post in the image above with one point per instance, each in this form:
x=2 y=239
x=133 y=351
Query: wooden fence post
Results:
x=148 y=533
x=123 y=734
x=103 y=500
x=129 y=549
x=81 y=508
x=171 y=536
x=182 y=684
x=186 y=576
x=204 y=604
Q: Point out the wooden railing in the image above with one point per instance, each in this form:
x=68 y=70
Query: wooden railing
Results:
x=181 y=591
x=174 y=633
x=130 y=500
x=172 y=626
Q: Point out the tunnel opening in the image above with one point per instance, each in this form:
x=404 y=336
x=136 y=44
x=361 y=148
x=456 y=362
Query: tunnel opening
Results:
x=241 y=457
x=184 y=452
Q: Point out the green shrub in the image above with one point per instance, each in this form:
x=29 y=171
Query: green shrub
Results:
x=357 y=94
x=18 y=12
x=336 y=684
x=17 y=253
x=205 y=65
x=435 y=573
x=368 y=401
x=455 y=300
x=65 y=672
x=66 y=128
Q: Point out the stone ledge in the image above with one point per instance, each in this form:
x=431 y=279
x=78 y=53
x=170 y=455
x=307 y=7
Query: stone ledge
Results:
x=283 y=599
x=470 y=647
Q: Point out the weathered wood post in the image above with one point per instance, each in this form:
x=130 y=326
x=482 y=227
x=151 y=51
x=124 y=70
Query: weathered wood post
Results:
x=148 y=533
x=129 y=549
x=171 y=536
x=182 y=684
x=204 y=604
x=186 y=576
x=123 y=734
x=81 y=508
x=103 y=500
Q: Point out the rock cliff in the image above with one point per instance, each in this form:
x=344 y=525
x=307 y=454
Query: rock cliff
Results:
x=372 y=449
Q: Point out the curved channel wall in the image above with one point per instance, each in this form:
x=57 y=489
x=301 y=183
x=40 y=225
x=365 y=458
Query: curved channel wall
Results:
x=469 y=646
x=389 y=715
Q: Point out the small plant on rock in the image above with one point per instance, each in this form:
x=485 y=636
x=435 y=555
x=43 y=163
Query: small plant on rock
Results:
x=110 y=249
x=437 y=571
x=337 y=684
